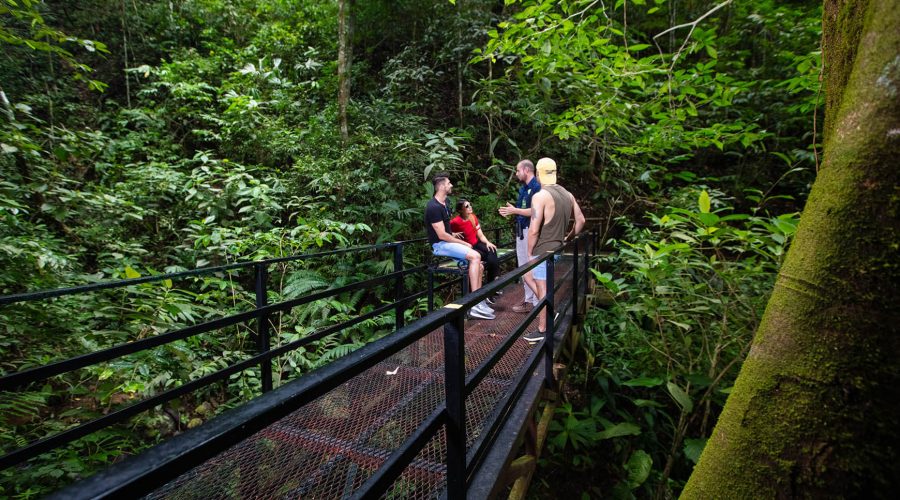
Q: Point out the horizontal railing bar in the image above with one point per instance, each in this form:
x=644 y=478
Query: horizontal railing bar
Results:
x=482 y=371
x=17 y=379
x=58 y=292
x=395 y=464
x=49 y=443
x=65 y=437
x=558 y=281
x=315 y=336
x=140 y=474
x=324 y=294
x=172 y=457
x=477 y=449
x=46 y=294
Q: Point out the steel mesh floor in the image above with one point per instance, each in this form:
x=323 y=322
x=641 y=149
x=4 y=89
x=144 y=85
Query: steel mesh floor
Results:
x=328 y=448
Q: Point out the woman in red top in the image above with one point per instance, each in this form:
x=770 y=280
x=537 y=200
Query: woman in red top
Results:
x=467 y=224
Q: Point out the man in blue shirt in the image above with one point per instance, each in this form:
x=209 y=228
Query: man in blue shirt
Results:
x=522 y=211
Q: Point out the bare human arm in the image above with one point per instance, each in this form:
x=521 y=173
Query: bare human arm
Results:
x=511 y=210
x=579 y=219
x=538 y=203
x=445 y=236
x=482 y=238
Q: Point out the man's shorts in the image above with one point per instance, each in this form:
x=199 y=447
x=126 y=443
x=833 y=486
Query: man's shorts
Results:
x=540 y=272
x=456 y=251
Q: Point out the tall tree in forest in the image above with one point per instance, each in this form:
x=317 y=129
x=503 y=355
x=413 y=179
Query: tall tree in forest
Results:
x=813 y=412
x=345 y=54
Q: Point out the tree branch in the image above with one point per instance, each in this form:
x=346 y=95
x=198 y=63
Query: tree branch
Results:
x=693 y=24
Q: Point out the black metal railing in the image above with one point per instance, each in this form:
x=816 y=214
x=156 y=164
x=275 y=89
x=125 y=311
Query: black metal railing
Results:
x=157 y=465
x=261 y=314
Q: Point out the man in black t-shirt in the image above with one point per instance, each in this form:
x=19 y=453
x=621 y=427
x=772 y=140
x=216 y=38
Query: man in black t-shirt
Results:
x=444 y=243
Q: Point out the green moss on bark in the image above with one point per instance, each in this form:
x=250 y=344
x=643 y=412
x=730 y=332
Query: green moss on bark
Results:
x=813 y=411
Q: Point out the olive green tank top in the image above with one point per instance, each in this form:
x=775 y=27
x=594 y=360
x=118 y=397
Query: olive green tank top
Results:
x=553 y=233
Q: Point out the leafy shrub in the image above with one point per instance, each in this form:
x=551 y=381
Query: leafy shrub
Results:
x=687 y=294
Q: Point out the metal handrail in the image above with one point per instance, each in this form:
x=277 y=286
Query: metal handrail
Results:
x=59 y=292
x=17 y=379
x=143 y=473
x=20 y=379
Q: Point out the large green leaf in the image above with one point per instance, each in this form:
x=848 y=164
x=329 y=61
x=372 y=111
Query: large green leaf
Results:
x=643 y=382
x=619 y=430
x=680 y=397
x=638 y=467
x=693 y=448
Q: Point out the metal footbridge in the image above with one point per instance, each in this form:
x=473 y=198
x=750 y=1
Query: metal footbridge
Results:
x=443 y=407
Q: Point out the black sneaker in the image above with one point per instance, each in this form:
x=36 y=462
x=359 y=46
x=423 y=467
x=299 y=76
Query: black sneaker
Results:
x=533 y=337
x=491 y=300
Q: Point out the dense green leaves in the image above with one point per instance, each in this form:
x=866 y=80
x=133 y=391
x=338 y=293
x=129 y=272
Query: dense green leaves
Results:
x=216 y=140
x=687 y=292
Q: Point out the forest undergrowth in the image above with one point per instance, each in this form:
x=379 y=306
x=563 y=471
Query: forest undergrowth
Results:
x=141 y=138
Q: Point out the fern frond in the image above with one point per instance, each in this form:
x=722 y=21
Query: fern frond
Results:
x=302 y=282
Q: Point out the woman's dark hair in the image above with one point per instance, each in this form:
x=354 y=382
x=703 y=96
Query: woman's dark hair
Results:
x=460 y=204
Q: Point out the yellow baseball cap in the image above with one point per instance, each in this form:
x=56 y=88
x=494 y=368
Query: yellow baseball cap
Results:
x=546 y=171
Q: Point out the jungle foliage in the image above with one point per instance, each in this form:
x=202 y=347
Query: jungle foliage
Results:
x=147 y=137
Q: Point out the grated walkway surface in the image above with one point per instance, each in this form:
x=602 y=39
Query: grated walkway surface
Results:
x=327 y=449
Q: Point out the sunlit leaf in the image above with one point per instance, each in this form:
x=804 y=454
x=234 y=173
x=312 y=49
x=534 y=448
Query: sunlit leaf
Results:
x=703 y=202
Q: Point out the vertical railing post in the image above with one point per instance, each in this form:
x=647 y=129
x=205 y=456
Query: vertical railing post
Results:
x=588 y=260
x=575 y=281
x=454 y=391
x=548 y=340
x=430 y=289
x=262 y=326
x=497 y=236
x=398 y=287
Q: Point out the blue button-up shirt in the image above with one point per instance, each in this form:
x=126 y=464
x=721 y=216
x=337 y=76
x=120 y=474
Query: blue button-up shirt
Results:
x=525 y=194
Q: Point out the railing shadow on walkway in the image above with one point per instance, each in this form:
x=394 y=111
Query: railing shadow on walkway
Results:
x=440 y=453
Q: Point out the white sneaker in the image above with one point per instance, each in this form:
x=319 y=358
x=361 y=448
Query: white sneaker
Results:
x=534 y=337
x=486 y=306
x=479 y=312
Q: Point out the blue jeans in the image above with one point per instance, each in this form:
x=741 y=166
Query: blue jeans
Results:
x=456 y=251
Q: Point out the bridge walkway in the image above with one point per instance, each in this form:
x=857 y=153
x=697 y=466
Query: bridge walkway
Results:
x=329 y=448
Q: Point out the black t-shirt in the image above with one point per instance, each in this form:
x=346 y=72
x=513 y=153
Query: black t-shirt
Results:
x=436 y=212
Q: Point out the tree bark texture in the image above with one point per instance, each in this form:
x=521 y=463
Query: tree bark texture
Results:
x=814 y=411
x=345 y=54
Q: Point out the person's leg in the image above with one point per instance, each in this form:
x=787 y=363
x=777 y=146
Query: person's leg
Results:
x=493 y=266
x=528 y=281
x=531 y=284
x=474 y=259
x=540 y=281
x=490 y=260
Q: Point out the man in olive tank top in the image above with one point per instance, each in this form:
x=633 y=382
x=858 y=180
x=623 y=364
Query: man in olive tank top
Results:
x=552 y=211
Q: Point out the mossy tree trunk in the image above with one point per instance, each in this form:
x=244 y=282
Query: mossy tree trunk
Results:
x=815 y=411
